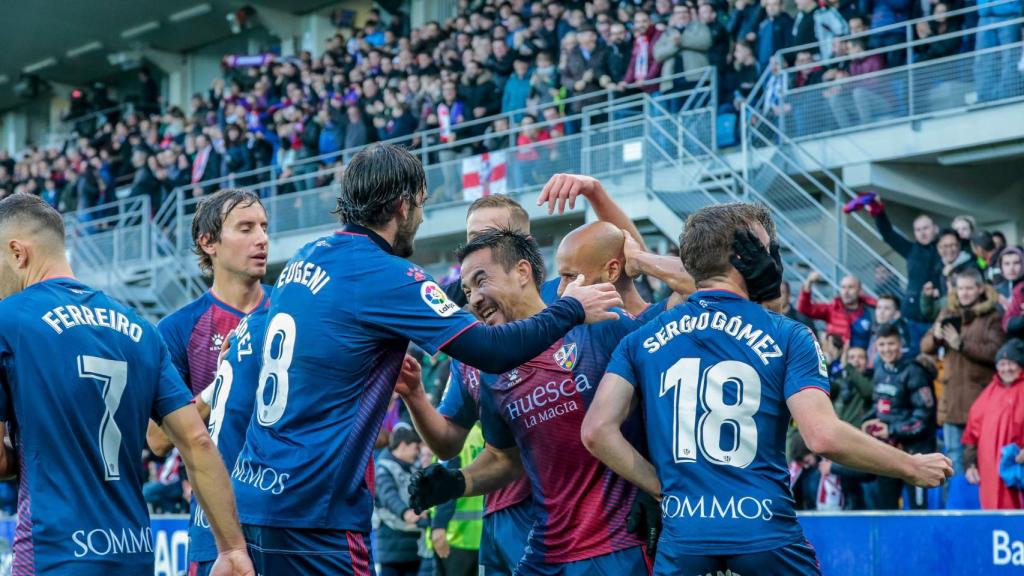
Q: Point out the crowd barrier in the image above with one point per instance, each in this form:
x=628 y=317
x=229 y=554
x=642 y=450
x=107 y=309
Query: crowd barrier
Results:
x=847 y=543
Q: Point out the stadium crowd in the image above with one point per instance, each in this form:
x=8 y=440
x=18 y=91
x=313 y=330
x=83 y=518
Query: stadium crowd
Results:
x=386 y=81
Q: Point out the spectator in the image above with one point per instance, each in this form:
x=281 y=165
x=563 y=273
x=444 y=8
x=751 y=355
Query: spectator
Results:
x=681 y=48
x=923 y=263
x=517 y=90
x=984 y=249
x=774 y=33
x=887 y=312
x=739 y=79
x=456 y=525
x=926 y=30
x=545 y=86
x=995 y=72
x=643 y=66
x=163 y=493
x=50 y=194
x=996 y=420
x=863 y=101
x=848 y=316
x=620 y=51
x=964 y=226
x=902 y=414
x=954 y=261
x=804 y=28
x=399 y=529
x=1000 y=239
x=586 y=68
x=206 y=164
x=144 y=183
x=885 y=13
x=969 y=331
x=718 y=53
x=477 y=89
x=526 y=170
x=786 y=307
x=851 y=387
x=1011 y=275
x=744 y=21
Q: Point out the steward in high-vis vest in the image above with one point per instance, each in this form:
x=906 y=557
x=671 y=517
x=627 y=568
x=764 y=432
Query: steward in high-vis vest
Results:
x=456 y=526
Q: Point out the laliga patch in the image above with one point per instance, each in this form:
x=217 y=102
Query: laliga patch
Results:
x=435 y=297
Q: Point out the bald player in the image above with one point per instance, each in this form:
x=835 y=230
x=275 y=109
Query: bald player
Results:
x=80 y=376
x=597 y=251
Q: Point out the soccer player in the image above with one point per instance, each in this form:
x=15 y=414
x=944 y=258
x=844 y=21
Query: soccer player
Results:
x=80 y=375
x=718 y=378
x=343 y=312
x=229 y=232
x=531 y=418
x=226 y=405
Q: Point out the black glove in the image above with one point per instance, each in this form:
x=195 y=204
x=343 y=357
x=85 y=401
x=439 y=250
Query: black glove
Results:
x=644 y=520
x=760 y=268
x=435 y=484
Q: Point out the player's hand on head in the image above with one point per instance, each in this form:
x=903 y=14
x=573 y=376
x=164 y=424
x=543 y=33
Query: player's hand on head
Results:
x=631 y=249
x=565 y=188
x=760 y=267
x=410 y=379
x=644 y=520
x=596 y=299
x=233 y=563
x=930 y=470
x=435 y=484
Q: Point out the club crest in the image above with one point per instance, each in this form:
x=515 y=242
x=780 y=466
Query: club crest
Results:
x=565 y=357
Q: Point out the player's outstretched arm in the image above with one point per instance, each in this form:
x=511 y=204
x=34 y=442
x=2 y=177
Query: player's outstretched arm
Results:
x=497 y=349
x=212 y=487
x=602 y=434
x=562 y=188
x=668 y=269
x=827 y=435
x=492 y=469
x=159 y=444
x=443 y=436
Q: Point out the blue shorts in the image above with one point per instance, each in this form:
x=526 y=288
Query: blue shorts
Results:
x=791 y=560
x=309 y=552
x=628 y=562
x=504 y=538
x=200 y=568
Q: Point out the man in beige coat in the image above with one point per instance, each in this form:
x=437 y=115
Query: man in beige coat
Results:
x=683 y=47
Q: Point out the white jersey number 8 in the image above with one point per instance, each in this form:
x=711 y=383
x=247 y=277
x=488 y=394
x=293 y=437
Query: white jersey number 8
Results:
x=688 y=386
x=277 y=358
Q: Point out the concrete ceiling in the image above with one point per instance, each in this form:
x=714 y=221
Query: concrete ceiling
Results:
x=36 y=30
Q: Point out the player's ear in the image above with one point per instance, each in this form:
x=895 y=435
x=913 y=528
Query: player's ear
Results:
x=613 y=270
x=524 y=273
x=19 y=251
x=206 y=245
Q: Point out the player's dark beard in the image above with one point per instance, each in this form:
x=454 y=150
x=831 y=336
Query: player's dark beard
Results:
x=405 y=238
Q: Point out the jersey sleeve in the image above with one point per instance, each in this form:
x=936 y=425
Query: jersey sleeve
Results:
x=496 y=431
x=5 y=398
x=458 y=405
x=622 y=364
x=806 y=366
x=171 y=392
x=177 y=344
x=417 y=310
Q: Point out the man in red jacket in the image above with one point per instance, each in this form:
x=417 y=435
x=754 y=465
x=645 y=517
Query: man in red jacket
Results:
x=642 y=64
x=849 y=316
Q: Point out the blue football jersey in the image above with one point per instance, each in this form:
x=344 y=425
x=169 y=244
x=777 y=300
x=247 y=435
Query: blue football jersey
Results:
x=713 y=375
x=231 y=398
x=80 y=377
x=342 y=315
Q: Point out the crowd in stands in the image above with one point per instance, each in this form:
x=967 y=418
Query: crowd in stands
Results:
x=387 y=81
x=939 y=366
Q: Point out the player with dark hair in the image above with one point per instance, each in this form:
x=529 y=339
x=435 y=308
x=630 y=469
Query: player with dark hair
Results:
x=718 y=378
x=343 y=312
x=531 y=418
x=229 y=232
x=80 y=374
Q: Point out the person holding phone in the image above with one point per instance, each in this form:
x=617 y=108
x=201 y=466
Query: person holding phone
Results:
x=969 y=332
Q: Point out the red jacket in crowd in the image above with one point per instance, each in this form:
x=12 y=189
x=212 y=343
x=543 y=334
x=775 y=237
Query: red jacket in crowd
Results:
x=995 y=420
x=834 y=313
x=643 y=59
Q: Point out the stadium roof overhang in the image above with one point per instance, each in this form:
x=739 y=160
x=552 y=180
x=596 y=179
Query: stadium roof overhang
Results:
x=79 y=42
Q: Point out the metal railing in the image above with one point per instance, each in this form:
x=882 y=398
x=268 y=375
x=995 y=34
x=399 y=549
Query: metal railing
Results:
x=904 y=93
x=783 y=176
x=874 y=37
